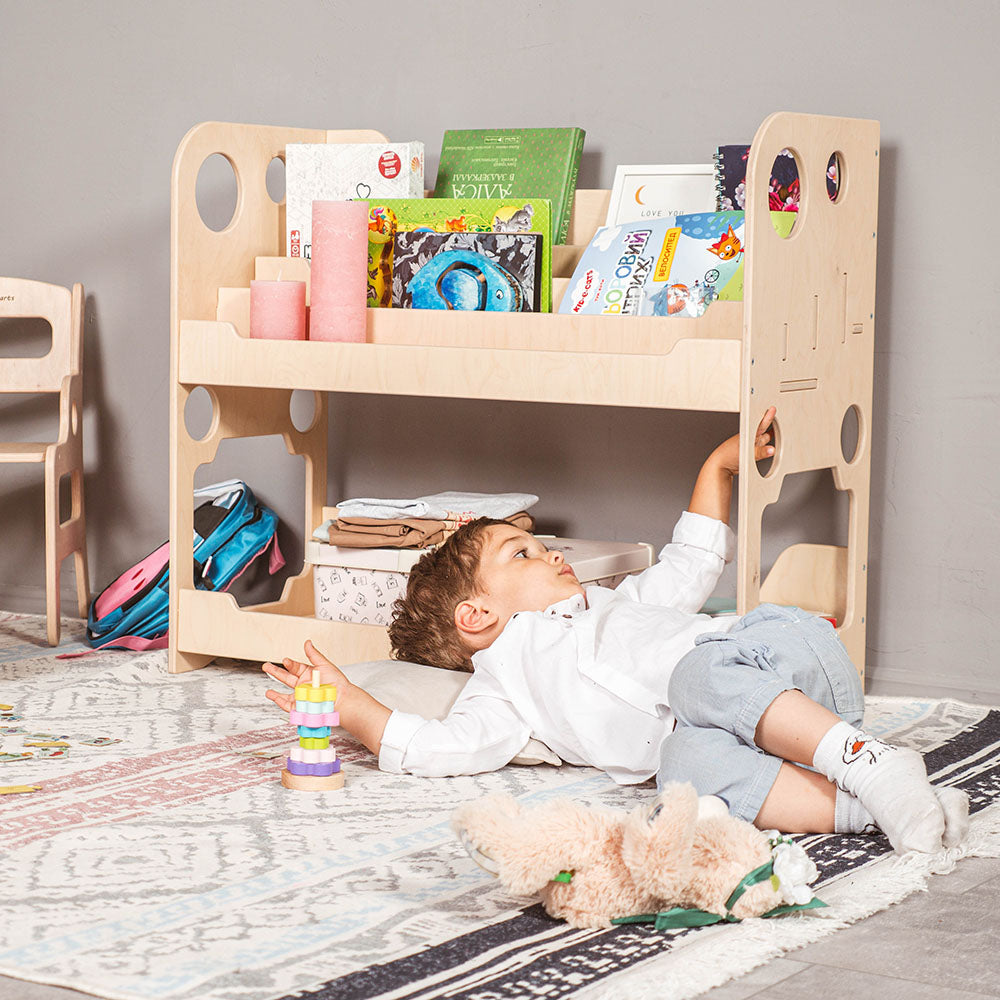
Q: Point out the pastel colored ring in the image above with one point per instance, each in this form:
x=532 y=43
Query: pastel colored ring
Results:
x=316 y=770
x=314 y=707
x=313 y=732
x=311 y=743
x=311 y=756
x=314 y=719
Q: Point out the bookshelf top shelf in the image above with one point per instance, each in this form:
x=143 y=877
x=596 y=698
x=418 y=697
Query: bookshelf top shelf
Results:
x=690 y=373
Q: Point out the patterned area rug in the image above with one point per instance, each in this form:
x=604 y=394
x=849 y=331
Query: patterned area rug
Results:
x=161 y=858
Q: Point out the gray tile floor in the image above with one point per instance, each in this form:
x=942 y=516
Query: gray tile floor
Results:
x=942 y=944
x=936 y=945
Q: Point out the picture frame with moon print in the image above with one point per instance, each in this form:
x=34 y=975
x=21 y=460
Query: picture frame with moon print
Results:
x=654 y=191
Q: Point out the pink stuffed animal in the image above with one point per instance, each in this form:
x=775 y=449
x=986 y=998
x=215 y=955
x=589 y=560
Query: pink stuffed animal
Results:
x=592 y=865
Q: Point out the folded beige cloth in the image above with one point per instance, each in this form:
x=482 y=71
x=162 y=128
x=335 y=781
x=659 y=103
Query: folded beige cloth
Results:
x=399 y=526
x=361 y=540
x=402 y=533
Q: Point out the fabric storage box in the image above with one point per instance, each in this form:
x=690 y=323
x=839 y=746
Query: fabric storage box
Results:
x=360 y=585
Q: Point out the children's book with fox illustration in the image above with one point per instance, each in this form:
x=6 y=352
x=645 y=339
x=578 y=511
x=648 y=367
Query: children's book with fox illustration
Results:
x=387 y=217
x=673 y=266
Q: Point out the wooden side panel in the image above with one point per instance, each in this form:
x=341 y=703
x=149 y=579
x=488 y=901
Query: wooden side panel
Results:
x=201 y=262
x=809 y=334
x=812 y=577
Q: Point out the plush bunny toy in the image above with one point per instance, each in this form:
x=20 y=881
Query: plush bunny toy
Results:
x=681 y=861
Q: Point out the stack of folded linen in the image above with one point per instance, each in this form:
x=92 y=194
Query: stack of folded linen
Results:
x=420 y=522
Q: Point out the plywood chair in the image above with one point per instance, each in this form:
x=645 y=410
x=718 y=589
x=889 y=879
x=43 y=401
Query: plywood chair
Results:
x=60 y=371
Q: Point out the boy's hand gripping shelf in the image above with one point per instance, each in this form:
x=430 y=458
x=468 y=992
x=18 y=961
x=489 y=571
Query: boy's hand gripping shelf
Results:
x=312 y=765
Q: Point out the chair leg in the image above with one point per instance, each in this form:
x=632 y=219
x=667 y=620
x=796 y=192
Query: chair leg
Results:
x=52 y=557
x=82 y=586
x=80 y=553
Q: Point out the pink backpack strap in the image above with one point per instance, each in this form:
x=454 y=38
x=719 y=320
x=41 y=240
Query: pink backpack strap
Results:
x=131 y=581
x=276 y=560
x=133 y=642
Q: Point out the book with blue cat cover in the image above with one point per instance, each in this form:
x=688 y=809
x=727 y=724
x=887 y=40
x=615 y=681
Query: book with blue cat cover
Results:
x=485 y=272
x=387 y=217
x=513 y=163
x=672 y=266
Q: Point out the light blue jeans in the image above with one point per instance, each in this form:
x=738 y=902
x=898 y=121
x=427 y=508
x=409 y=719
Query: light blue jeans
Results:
x=720 y=689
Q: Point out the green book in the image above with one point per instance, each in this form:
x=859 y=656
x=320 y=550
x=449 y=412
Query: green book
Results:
x=388 y=216
x=513 y=163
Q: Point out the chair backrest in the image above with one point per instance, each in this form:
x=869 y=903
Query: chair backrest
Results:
x=63 y=308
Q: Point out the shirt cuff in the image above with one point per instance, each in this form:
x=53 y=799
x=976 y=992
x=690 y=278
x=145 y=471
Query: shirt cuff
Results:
x=705 y=533
x=398 y=732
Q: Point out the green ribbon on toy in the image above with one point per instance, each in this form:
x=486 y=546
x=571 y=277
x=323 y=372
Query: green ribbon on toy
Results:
x=564 y=877
x=679 y=916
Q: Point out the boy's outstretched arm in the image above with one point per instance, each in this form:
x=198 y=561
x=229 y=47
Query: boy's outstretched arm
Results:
x=713 y=490
x=360 y=714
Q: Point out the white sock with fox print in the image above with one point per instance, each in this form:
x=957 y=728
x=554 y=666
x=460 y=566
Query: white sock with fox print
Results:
x=850 y=816
x=889 y=782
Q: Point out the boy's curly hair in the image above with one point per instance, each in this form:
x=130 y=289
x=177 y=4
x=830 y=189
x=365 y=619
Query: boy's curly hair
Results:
x=423 y=621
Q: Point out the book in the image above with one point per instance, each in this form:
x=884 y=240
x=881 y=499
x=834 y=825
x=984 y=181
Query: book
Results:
x=513 y=163
x=652 y=192
x=387 y=217
x=343 y=171
x=492 y=272
x=674 y=266
x=730 y=180
x=733 y=291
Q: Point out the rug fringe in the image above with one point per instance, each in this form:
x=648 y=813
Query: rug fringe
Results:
x=718 y=955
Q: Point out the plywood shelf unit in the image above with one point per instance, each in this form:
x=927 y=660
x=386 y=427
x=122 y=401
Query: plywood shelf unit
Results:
x=696 y=374
x=802 y=339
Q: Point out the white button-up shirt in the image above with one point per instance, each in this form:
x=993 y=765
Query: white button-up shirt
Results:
x=588 y=676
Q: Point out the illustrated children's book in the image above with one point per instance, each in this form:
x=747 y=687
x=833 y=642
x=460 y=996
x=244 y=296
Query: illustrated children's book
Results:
x=343 y=171
x=388 y=217
x=490 y=272
x=513 y=163
x=733 y=292
x=674 y=266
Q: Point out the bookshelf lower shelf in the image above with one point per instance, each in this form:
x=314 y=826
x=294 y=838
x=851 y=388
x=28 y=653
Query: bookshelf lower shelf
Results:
x=699 y=373
x=213 y=624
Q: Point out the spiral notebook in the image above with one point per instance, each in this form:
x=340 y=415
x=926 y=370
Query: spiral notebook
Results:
x=730 y=180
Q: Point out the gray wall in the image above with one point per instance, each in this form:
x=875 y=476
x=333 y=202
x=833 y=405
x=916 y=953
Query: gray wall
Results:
x=96 y=97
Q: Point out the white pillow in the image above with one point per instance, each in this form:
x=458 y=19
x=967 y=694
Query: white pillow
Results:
x=427 y=691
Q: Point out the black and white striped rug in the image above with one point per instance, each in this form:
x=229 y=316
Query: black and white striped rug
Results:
x=530 y=955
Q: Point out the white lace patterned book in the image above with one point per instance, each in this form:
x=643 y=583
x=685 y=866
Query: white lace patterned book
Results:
x=342 y=171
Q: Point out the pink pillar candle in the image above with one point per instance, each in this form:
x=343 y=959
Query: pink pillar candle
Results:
x=339 y=271
x=278 y=310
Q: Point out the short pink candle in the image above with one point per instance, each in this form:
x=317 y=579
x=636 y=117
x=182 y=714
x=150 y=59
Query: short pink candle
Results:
x=278 y=310
x=339 y=271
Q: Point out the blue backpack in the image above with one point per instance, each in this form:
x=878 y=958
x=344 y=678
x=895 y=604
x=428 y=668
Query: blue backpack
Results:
x=231 y=529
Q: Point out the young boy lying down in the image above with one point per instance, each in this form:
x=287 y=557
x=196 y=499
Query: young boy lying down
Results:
x=762 y=711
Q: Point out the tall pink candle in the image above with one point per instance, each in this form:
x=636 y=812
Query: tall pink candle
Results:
x=339 y=271
x=278 y=310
